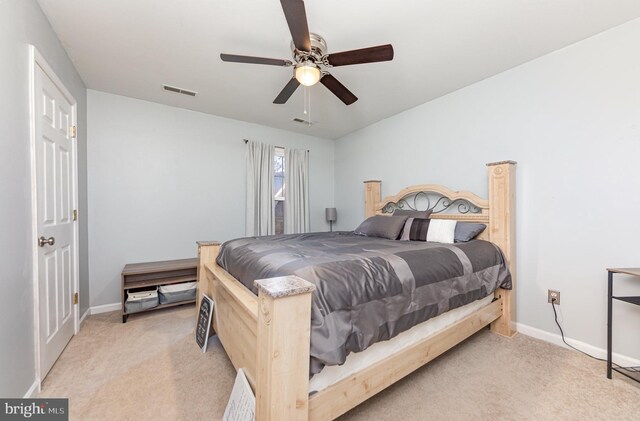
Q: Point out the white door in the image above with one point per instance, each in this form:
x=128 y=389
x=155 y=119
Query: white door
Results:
x=55 y=193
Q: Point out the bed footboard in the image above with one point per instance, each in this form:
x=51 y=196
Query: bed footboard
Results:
x=284 y=328
x=268 y=335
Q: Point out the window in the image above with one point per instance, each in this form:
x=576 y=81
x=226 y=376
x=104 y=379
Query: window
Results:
x=279 y=190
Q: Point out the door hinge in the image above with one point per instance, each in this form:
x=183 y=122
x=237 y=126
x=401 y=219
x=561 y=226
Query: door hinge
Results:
x=75 y=214
x=75 y=298
x=74 y=132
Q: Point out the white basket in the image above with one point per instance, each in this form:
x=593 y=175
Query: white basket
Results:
x=142 y=295
x=141 y=300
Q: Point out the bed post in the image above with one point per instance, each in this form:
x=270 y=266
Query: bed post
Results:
x=283 y=341
x=371 y=197
x=502 y=231
x=207 y=253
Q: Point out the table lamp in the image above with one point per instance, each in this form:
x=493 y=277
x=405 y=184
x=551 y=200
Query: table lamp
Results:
x=332 y=215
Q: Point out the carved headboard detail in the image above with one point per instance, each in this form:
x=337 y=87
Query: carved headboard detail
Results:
x=444 y=203
x=436 y=198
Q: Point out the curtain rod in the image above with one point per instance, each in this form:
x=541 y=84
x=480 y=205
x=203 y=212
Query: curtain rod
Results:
x=281 y=147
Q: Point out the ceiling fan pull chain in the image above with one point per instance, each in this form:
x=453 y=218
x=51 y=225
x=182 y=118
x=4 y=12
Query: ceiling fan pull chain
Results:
x=304 y=98
x=309 y=99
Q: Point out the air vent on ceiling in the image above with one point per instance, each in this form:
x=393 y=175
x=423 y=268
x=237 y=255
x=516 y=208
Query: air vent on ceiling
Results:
x=179 y=90
x=301 y=121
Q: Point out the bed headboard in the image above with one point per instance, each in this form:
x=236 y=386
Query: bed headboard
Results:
x=441 y=201
x=497 y=212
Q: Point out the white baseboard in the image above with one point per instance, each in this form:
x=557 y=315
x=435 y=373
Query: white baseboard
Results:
x=84 y=316
x=106 y=308
x=556 y=339
x=35 y=386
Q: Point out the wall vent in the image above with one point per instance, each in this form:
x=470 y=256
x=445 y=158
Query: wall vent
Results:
x=179 y=90
x=301 y=121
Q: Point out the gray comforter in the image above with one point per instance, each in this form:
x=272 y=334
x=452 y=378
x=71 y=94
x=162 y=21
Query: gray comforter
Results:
x=368 y=289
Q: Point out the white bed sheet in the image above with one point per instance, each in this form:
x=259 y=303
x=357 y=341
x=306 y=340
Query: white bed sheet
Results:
x=379 y=351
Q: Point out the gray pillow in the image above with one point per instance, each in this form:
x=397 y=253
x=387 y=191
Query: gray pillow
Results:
x=382 y=226
x=412 y=213
x=467 y=231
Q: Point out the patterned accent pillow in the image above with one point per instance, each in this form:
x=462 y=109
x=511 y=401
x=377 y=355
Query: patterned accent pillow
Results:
x=415 y=229
x=436 y=230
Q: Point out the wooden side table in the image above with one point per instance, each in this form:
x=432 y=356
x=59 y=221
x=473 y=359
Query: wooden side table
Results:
x=634 y=375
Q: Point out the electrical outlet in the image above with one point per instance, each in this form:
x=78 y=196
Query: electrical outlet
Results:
x=553 y=296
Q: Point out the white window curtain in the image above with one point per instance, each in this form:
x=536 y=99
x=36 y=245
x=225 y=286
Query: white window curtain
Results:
x=296 y=196
x=260 y=218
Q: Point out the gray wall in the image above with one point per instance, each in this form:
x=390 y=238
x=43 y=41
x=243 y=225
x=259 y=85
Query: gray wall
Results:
x=161 y=178
x=572 y=121
x=23 y=23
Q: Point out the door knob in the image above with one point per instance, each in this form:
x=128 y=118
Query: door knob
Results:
x=42 y=241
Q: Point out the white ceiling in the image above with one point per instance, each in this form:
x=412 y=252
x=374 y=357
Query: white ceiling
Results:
x=132 y=47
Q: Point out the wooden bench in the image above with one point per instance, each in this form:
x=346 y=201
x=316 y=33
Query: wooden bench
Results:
x=141 y=275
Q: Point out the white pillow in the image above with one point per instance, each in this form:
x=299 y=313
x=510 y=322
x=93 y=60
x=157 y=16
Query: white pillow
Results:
x=442 y=230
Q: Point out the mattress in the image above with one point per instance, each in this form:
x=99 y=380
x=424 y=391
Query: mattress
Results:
x=377 y=352
x=368 y=289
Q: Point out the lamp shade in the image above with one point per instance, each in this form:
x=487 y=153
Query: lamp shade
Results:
x=331 y=214
x=307 y=73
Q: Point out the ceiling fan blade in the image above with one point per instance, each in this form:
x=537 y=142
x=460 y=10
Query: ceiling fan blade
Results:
x=255 y=60
x=296 y=16
x=288 y=90
x=338 y=89
x=363 y=55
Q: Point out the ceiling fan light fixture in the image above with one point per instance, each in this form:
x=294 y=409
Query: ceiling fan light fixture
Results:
x=307 y=73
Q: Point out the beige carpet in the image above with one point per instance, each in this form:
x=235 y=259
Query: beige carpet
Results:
x=150 y=369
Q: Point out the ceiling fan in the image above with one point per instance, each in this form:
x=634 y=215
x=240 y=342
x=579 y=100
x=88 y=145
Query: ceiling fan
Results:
x=311 y=57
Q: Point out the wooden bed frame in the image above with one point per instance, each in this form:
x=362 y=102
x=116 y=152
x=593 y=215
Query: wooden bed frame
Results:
x=268 y=335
